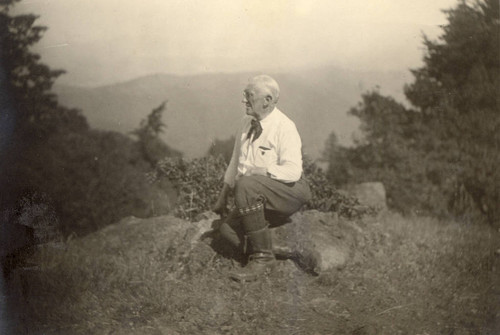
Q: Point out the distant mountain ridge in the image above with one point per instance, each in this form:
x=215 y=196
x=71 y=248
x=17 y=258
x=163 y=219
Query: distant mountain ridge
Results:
x=205 y=107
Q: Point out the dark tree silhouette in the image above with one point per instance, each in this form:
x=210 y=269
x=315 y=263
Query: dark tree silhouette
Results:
x=443 y=155
x=457 y=93
x=152 y=147
x=92 y=178
x=32 y=110
x=222 y=147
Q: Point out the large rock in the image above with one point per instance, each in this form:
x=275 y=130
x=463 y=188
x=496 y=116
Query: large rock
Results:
x=369 y=194
x=317 y=241
x=173 y=243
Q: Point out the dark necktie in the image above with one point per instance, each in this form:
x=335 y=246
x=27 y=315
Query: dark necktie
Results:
x=256 y=128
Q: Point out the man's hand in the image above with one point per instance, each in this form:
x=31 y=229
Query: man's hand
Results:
x=257 y=171
x=220 y=207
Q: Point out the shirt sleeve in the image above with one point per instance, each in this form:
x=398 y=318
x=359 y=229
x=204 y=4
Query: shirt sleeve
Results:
x=232 y=168
x=289 y=166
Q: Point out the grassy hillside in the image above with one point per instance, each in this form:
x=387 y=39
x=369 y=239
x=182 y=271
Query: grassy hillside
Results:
x=405 y=276
x=203 y=108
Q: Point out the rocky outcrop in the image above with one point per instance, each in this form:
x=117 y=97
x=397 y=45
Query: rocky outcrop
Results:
x=175 y=244
x=315 y=241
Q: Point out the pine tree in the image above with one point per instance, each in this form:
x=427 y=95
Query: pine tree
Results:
x=387 y=152
x=152 y=147
x=457 y=93
x=442 y=155
x=30 y=109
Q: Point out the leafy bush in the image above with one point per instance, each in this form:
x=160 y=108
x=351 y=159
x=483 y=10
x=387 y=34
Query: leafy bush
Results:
x=199 y=181
x=327 y=198
x=388 y=153
x=92 y=178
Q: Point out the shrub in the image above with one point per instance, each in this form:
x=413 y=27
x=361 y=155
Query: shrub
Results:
x=327 y=198
x=199 y=181
x=92 y=178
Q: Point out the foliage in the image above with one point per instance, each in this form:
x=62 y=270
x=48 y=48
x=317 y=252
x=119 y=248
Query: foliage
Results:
x=222 y=147
x=88 y=178
x=92 y=179
x=32 y=110
x=148 y=135
x=442 y=157
x=199 y=181
x=339 y=169
x=389 y=153
x=326 y=198
x=462 y=114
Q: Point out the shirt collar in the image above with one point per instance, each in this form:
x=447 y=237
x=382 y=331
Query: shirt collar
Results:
x=269 y=118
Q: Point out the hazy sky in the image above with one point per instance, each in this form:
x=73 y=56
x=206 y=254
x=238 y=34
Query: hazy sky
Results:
x=104 y=41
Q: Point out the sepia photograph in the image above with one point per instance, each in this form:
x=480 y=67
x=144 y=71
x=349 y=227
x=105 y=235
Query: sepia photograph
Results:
x=243 y=167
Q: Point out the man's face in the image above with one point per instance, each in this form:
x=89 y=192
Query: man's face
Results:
x=254 y=101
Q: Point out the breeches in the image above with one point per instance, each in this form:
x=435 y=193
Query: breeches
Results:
x=281 y=198
x=280 y=201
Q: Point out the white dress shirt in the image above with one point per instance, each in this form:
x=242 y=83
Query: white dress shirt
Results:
x=277 y=150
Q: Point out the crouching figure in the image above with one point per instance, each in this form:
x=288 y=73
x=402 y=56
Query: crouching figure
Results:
x=265 y=175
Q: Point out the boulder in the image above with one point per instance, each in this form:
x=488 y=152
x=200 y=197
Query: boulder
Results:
x=174 y=243
x=369 y=194
x=316 y=241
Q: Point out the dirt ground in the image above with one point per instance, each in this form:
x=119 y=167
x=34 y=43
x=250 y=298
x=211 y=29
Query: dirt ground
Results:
x=404 y=276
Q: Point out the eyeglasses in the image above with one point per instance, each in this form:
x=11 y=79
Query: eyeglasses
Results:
x=247 y=94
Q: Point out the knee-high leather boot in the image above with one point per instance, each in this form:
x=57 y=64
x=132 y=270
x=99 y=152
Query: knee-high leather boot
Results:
x=232 y=231
x=259 y=245
x=261 y=260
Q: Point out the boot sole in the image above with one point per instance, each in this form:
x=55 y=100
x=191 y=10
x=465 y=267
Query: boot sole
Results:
x=254 y=277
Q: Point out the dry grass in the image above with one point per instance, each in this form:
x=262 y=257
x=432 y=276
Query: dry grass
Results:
x=406 y=275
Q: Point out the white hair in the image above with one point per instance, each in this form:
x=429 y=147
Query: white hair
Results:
x=267 y=83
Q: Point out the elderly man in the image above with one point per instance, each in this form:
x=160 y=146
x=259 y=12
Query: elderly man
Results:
x=265 y=174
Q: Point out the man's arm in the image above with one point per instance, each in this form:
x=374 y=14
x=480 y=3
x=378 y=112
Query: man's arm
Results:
x=220 y=206
x=289 y=167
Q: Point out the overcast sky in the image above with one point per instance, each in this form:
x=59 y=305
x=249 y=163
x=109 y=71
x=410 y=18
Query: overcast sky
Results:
x=105 y=41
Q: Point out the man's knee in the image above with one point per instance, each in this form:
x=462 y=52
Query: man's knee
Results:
x=246 y=190
x=243 y=184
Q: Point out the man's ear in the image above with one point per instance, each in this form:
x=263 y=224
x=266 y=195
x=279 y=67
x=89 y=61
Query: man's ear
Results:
x=269 y=99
